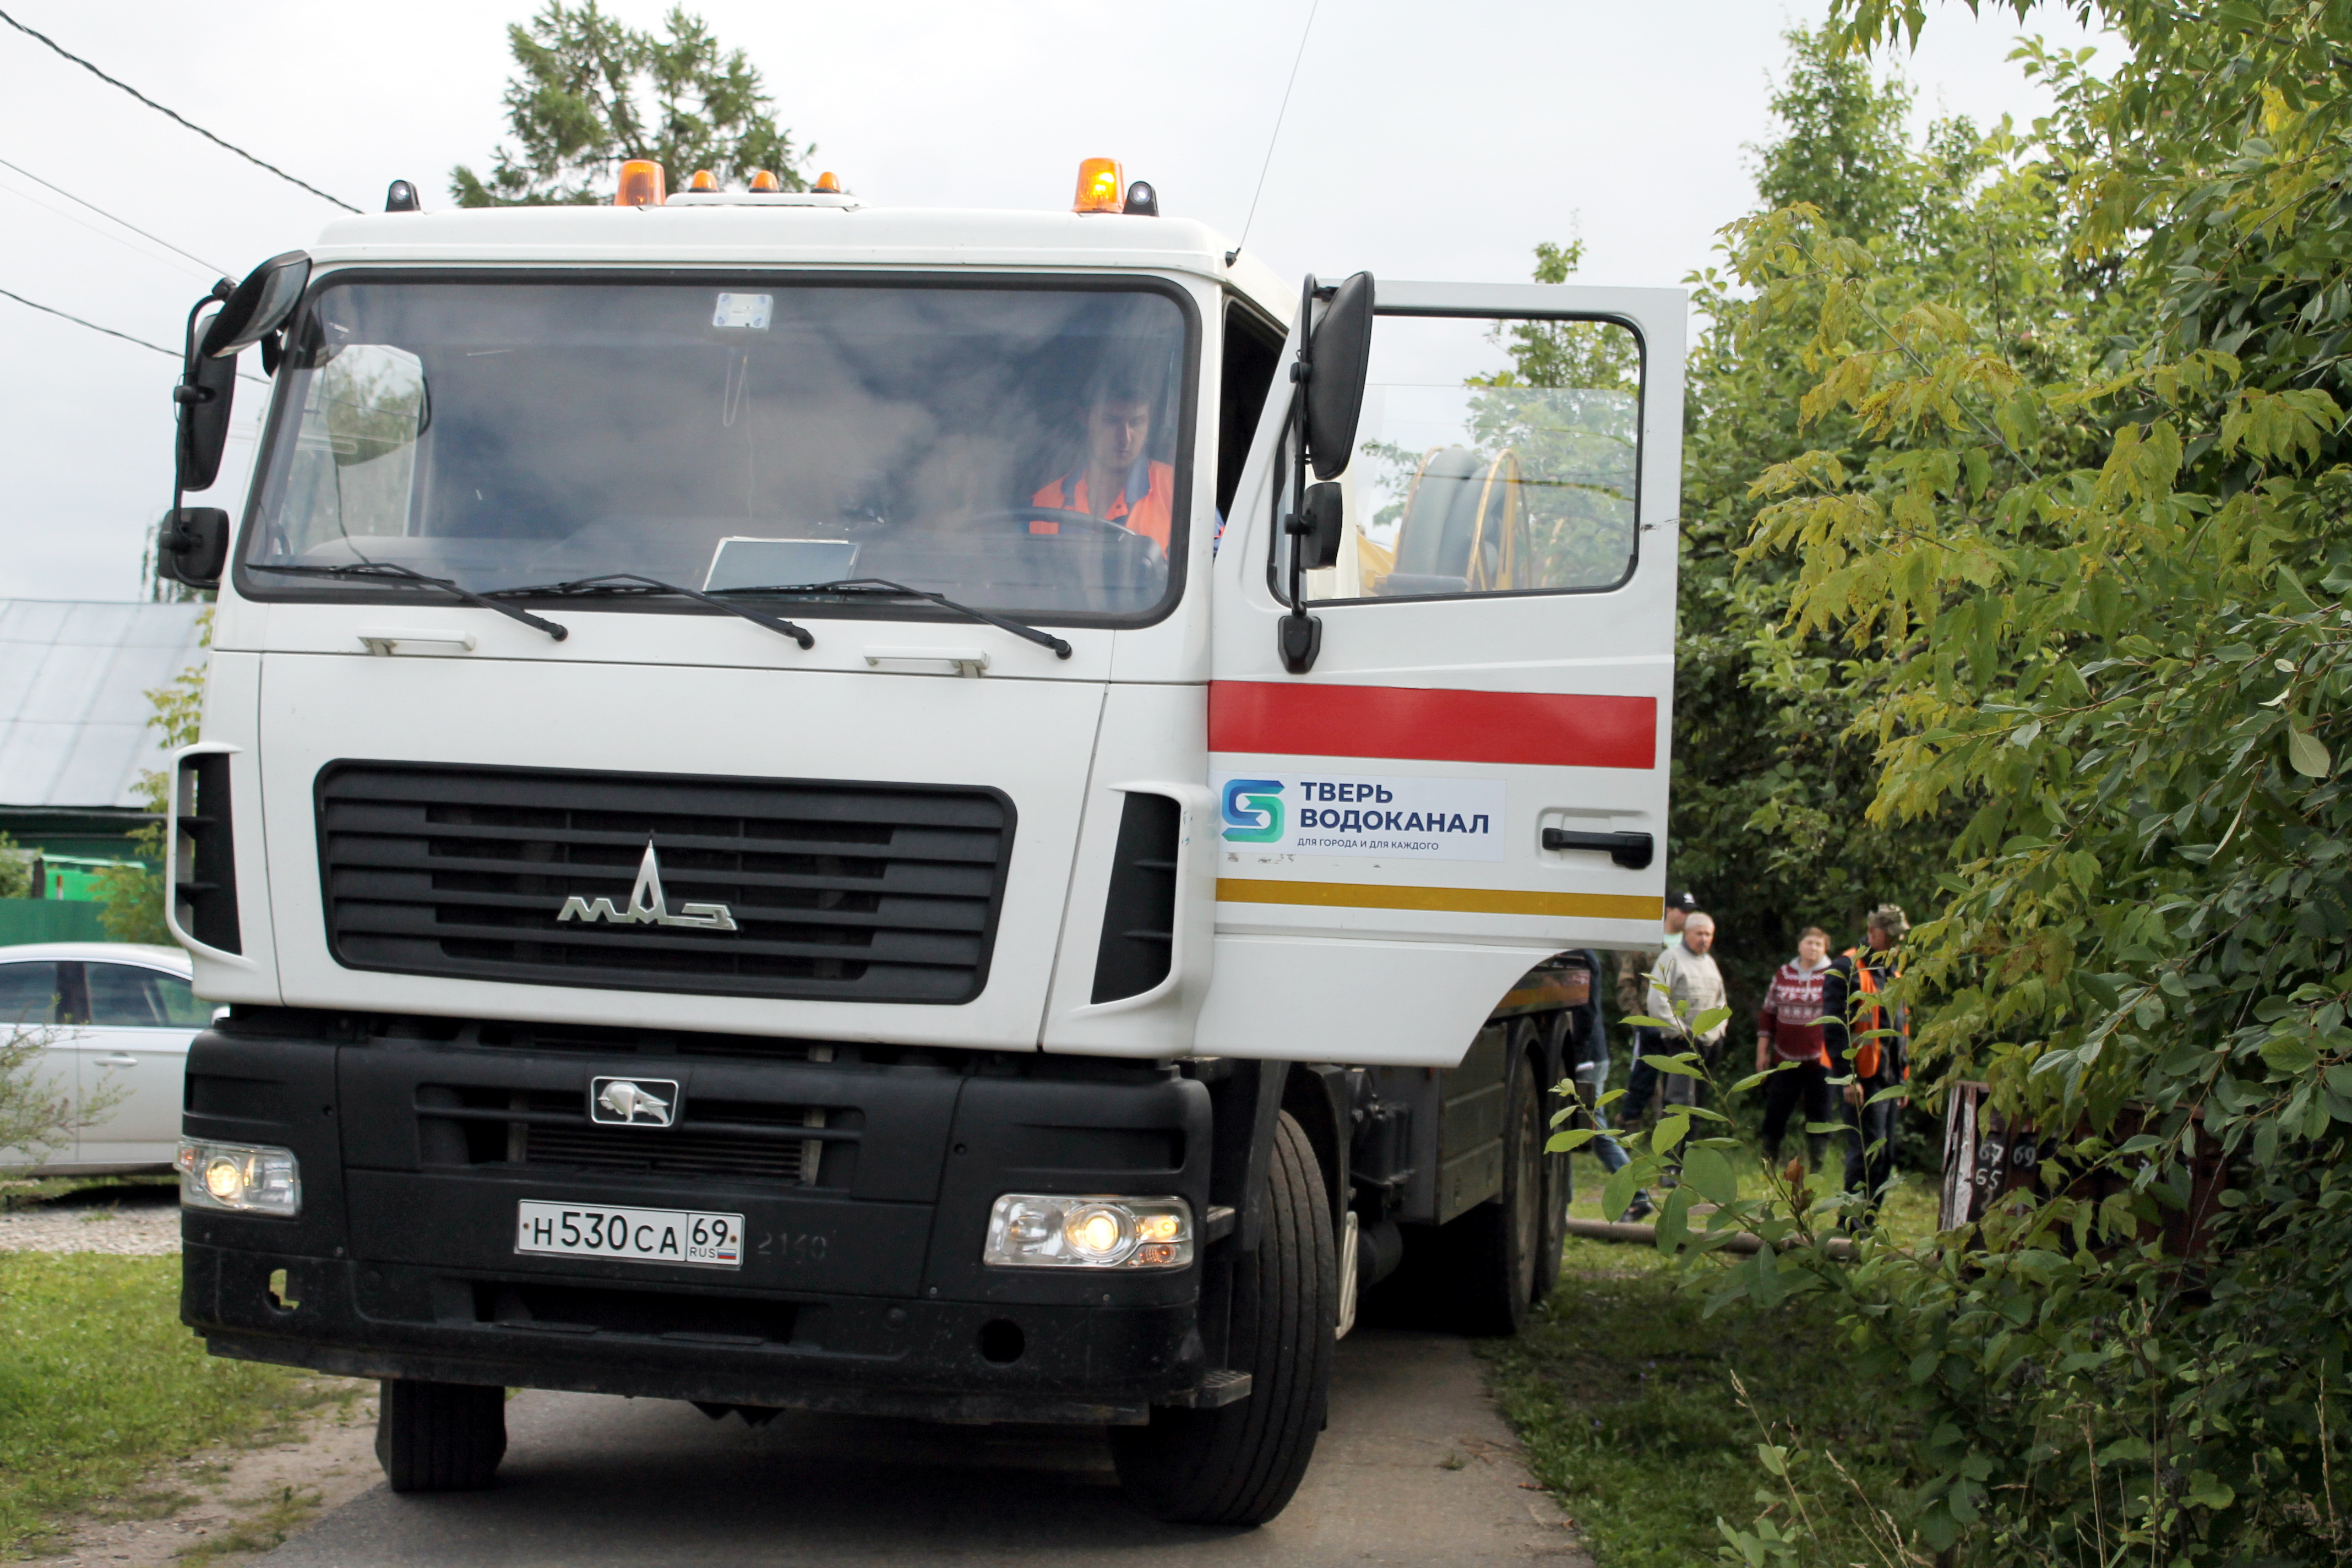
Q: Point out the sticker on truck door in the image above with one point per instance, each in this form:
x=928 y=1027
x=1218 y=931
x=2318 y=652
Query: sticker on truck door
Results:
x=1359 y=814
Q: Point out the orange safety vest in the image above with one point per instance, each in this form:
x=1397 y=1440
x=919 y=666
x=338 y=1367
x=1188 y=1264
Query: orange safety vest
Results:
x=1151 y=517
x=1866 y=1056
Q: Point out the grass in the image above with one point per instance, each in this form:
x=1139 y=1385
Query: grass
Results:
x=98 y=1383
x=1622 y=1393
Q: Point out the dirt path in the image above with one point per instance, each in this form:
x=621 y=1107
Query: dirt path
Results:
x=224 y=1505
x=1416 y=1468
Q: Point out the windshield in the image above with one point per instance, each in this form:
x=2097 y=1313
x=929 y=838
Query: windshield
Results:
x=1021 y=448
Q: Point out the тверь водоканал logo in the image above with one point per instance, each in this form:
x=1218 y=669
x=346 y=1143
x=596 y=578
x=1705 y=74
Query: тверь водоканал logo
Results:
x=1253 y=810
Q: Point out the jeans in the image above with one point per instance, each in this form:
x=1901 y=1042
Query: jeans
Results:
x=1870 y=1145
x=1804 y=1088
x=1605 y=1149
x=1642 y=1079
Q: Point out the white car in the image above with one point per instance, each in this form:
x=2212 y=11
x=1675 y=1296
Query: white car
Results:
x=114 y=1017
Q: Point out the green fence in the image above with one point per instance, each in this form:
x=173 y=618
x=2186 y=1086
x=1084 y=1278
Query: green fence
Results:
x=50 y=919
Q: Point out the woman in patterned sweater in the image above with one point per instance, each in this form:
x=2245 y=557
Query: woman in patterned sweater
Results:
x=1788 y=1036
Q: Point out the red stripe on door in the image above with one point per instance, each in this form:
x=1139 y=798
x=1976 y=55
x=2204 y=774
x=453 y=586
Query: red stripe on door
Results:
x=1545 y=729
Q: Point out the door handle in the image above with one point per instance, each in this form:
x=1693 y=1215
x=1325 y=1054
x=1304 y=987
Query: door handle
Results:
x=1631 y=850
x=381 y=641
x=966 y=661
x=119 y=1059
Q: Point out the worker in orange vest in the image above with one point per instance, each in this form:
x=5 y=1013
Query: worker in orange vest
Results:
x=1851 y=1012
x=1117 y=479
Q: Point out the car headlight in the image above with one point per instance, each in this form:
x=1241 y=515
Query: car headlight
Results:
x=241 y=1178
x=1045 y=1230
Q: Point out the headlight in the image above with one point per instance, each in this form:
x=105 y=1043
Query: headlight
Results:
x=1041 y=1230
x=239 y=1177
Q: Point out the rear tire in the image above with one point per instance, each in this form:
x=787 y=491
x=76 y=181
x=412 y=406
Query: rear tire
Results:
x=440 y=1437
x=1502 y=1241
x=1559 y=1178
x=1240 y=1463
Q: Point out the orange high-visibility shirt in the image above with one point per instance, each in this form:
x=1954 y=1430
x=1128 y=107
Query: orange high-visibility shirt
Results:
x=1151 y=516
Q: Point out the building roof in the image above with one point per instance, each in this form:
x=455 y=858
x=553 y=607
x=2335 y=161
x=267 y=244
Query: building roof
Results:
x=74 y=678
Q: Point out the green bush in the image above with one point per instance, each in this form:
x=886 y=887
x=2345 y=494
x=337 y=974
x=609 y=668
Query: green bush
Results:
x=2080 y=512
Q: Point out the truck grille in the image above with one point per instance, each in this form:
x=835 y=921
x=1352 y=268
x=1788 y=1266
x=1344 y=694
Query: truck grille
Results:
x=485 y=1125
x=629 y=1149
x=835 y=890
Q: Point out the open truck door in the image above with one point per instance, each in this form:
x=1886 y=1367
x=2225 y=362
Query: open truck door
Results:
x=1443 y=669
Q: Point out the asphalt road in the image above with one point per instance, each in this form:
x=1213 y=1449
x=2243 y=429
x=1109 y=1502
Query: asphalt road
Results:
x=1416 y=1468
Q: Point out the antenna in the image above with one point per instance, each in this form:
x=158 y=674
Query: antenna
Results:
x=1271 y=142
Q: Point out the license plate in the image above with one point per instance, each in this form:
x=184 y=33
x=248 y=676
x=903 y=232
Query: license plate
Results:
x=631 y=1236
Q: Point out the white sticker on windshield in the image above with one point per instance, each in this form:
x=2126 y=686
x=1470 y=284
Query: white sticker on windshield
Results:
x=1332 y=814
x=743 y=311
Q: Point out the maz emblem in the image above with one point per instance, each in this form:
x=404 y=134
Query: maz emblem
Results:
x=646 y=905
x=629 y=1101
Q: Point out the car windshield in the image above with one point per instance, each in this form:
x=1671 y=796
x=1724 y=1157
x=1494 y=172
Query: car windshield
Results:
x=1021 y=448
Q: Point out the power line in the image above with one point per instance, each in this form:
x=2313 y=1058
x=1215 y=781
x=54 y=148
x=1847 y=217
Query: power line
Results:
x=112 y=81
x=133 y=246
x=109 y=331
x=112 y=219
x=1304 y=34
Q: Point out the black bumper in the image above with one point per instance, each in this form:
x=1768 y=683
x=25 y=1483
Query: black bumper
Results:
x=864 y=1291
x=938 y=1360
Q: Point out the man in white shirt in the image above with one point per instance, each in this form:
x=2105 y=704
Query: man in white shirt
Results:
x=1684 y=983
x=1633 y=998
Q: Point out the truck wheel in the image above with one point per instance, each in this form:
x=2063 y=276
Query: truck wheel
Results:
x=1559 y=1192
x=1502 y=1241
x=440 y=1437
x=1238 y=1464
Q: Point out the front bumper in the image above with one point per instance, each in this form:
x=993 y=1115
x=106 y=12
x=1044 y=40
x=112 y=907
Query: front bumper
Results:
x=863 y=1289
x=929 y=1360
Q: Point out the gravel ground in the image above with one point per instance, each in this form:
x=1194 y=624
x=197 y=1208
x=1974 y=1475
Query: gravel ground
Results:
x=137 y=1226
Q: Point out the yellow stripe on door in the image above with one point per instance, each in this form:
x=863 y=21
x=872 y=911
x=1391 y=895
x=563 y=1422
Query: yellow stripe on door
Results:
x=1462 y=900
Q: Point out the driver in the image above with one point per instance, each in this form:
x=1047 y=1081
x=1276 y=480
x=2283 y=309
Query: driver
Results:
x=1116 y=481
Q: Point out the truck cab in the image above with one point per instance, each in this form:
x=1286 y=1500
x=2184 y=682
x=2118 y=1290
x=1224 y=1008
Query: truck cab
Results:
x=967 y=815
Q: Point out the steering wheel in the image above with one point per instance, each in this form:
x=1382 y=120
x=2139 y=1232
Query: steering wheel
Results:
x=1131 y=562
x=1086 y=522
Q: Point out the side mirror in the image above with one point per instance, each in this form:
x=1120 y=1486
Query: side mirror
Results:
x=1338 y=356
x=192 y=546
x=1316 y=528
x=261 y=305
x=207 y=388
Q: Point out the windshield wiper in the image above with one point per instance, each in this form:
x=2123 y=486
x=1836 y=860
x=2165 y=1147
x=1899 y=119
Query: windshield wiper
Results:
x=391 y=572
x=619 y=582
x=884 y=587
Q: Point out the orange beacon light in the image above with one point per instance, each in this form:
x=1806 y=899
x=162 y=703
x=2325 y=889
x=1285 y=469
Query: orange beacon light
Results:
x=642 y=184
x=1098 y=186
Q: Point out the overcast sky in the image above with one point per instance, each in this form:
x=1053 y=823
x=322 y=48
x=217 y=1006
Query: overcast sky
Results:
x=1422 y=141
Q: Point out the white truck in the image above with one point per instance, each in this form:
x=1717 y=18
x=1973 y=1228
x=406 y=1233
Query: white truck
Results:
x=967 y=815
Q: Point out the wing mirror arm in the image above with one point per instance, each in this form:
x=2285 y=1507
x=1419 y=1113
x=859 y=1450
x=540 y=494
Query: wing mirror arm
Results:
x=1334 y=355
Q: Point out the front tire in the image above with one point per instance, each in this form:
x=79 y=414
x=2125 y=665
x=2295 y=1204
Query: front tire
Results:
x=440 y=1437
x=1240 y=1463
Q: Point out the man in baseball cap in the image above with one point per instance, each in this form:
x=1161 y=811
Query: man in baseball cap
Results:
x=1632 y=999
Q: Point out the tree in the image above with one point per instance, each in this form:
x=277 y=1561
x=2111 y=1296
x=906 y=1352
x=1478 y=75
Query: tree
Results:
x=1769 y=788
x=591 y=91
x=133 y=894
x=2087 y=522
x=36 y=1108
